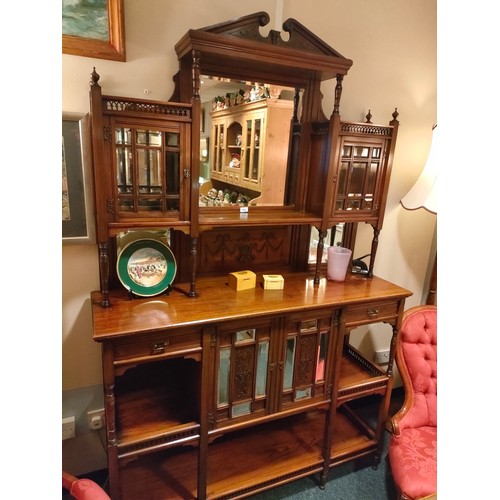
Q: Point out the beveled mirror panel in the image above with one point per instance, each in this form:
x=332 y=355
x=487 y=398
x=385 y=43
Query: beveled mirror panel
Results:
x=247 y=125
x=238 y=51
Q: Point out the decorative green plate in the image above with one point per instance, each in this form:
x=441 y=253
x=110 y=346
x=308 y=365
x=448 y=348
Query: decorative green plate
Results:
x=146 y=267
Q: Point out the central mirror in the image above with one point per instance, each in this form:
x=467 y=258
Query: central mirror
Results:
x=254 y=133
x=244 y=142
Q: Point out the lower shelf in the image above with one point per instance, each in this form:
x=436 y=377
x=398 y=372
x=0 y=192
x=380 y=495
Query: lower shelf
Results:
x=266 y=455
x=243 y=463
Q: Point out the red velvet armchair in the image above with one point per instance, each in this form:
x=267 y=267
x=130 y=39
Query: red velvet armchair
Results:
x=413 y=445
x=83 y=489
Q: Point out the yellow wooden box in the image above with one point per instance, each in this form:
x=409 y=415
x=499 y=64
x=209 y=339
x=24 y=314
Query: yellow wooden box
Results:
x=273 y=281
x=241 y=280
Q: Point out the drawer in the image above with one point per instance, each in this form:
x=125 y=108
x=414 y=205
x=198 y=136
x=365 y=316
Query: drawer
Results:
x=144 y=347
x=371 y=312
x=310 y=321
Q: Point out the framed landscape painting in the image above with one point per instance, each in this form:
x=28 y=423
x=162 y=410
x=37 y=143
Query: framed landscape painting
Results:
x=93 y=28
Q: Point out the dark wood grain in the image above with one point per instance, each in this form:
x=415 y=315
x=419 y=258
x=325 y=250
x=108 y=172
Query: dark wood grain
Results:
x=217 y=302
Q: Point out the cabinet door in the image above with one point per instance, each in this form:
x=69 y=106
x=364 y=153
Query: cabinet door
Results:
x=243 y=369
x=233 y=150
x=253 y=134
x=308 y=357
x=149 y=166
x=217 y=156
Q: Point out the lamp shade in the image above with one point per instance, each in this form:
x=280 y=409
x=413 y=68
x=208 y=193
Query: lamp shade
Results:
x=424 y=192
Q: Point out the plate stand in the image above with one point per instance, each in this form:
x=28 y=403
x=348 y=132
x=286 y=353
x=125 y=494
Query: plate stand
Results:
x=133 y=295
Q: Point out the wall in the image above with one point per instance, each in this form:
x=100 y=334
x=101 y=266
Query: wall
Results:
x=393 y=46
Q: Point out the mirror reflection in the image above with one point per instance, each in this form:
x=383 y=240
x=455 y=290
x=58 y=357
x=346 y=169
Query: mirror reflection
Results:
x=245 y=132
x=145 y=151
x=335 y=236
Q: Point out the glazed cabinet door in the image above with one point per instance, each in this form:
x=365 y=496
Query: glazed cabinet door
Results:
x=217 y=157
x=359 y=179
x=244 y=368
x=233 y=151
x=273 y=365
x=149 y=169
x=308 y=358
x=361 y=170
x=250 y=155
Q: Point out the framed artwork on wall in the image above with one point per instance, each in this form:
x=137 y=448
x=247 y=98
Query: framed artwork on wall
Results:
x=77 y=204
x=93 y=29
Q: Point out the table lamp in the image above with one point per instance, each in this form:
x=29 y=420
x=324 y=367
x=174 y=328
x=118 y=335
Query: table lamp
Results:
x=424 y=195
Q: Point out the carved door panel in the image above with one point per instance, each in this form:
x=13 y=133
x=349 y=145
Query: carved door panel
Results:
x=307 y=360
x=266 y=366
x=244 y=367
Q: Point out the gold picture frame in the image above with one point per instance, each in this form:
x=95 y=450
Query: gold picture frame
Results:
x=113 y=48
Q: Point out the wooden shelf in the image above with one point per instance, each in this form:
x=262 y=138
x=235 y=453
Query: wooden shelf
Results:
x=168 y=474
x=265 y=455
x=354 y=437
x=156 y=406
x=257 y=216
x=359 y=377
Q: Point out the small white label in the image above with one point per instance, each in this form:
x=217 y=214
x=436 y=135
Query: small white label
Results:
x=243 y=210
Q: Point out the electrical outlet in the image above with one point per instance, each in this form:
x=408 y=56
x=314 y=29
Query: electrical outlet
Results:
x=95 y=419
x=68 y=427
x=382 y=357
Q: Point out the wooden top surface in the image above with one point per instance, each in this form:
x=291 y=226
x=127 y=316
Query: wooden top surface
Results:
x=216 y=302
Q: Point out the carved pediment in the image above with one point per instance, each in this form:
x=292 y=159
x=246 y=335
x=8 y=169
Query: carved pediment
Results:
x=245 y=27
x=237 y=47
x=300 y=37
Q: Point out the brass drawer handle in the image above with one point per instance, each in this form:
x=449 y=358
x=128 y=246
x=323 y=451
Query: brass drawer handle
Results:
x=372 y=312
x=159 y=348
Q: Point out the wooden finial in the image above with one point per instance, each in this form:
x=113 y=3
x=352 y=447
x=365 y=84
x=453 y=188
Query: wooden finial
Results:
x=369 y=116
x=338 y=94
x=94 y=77
x=395 y=114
